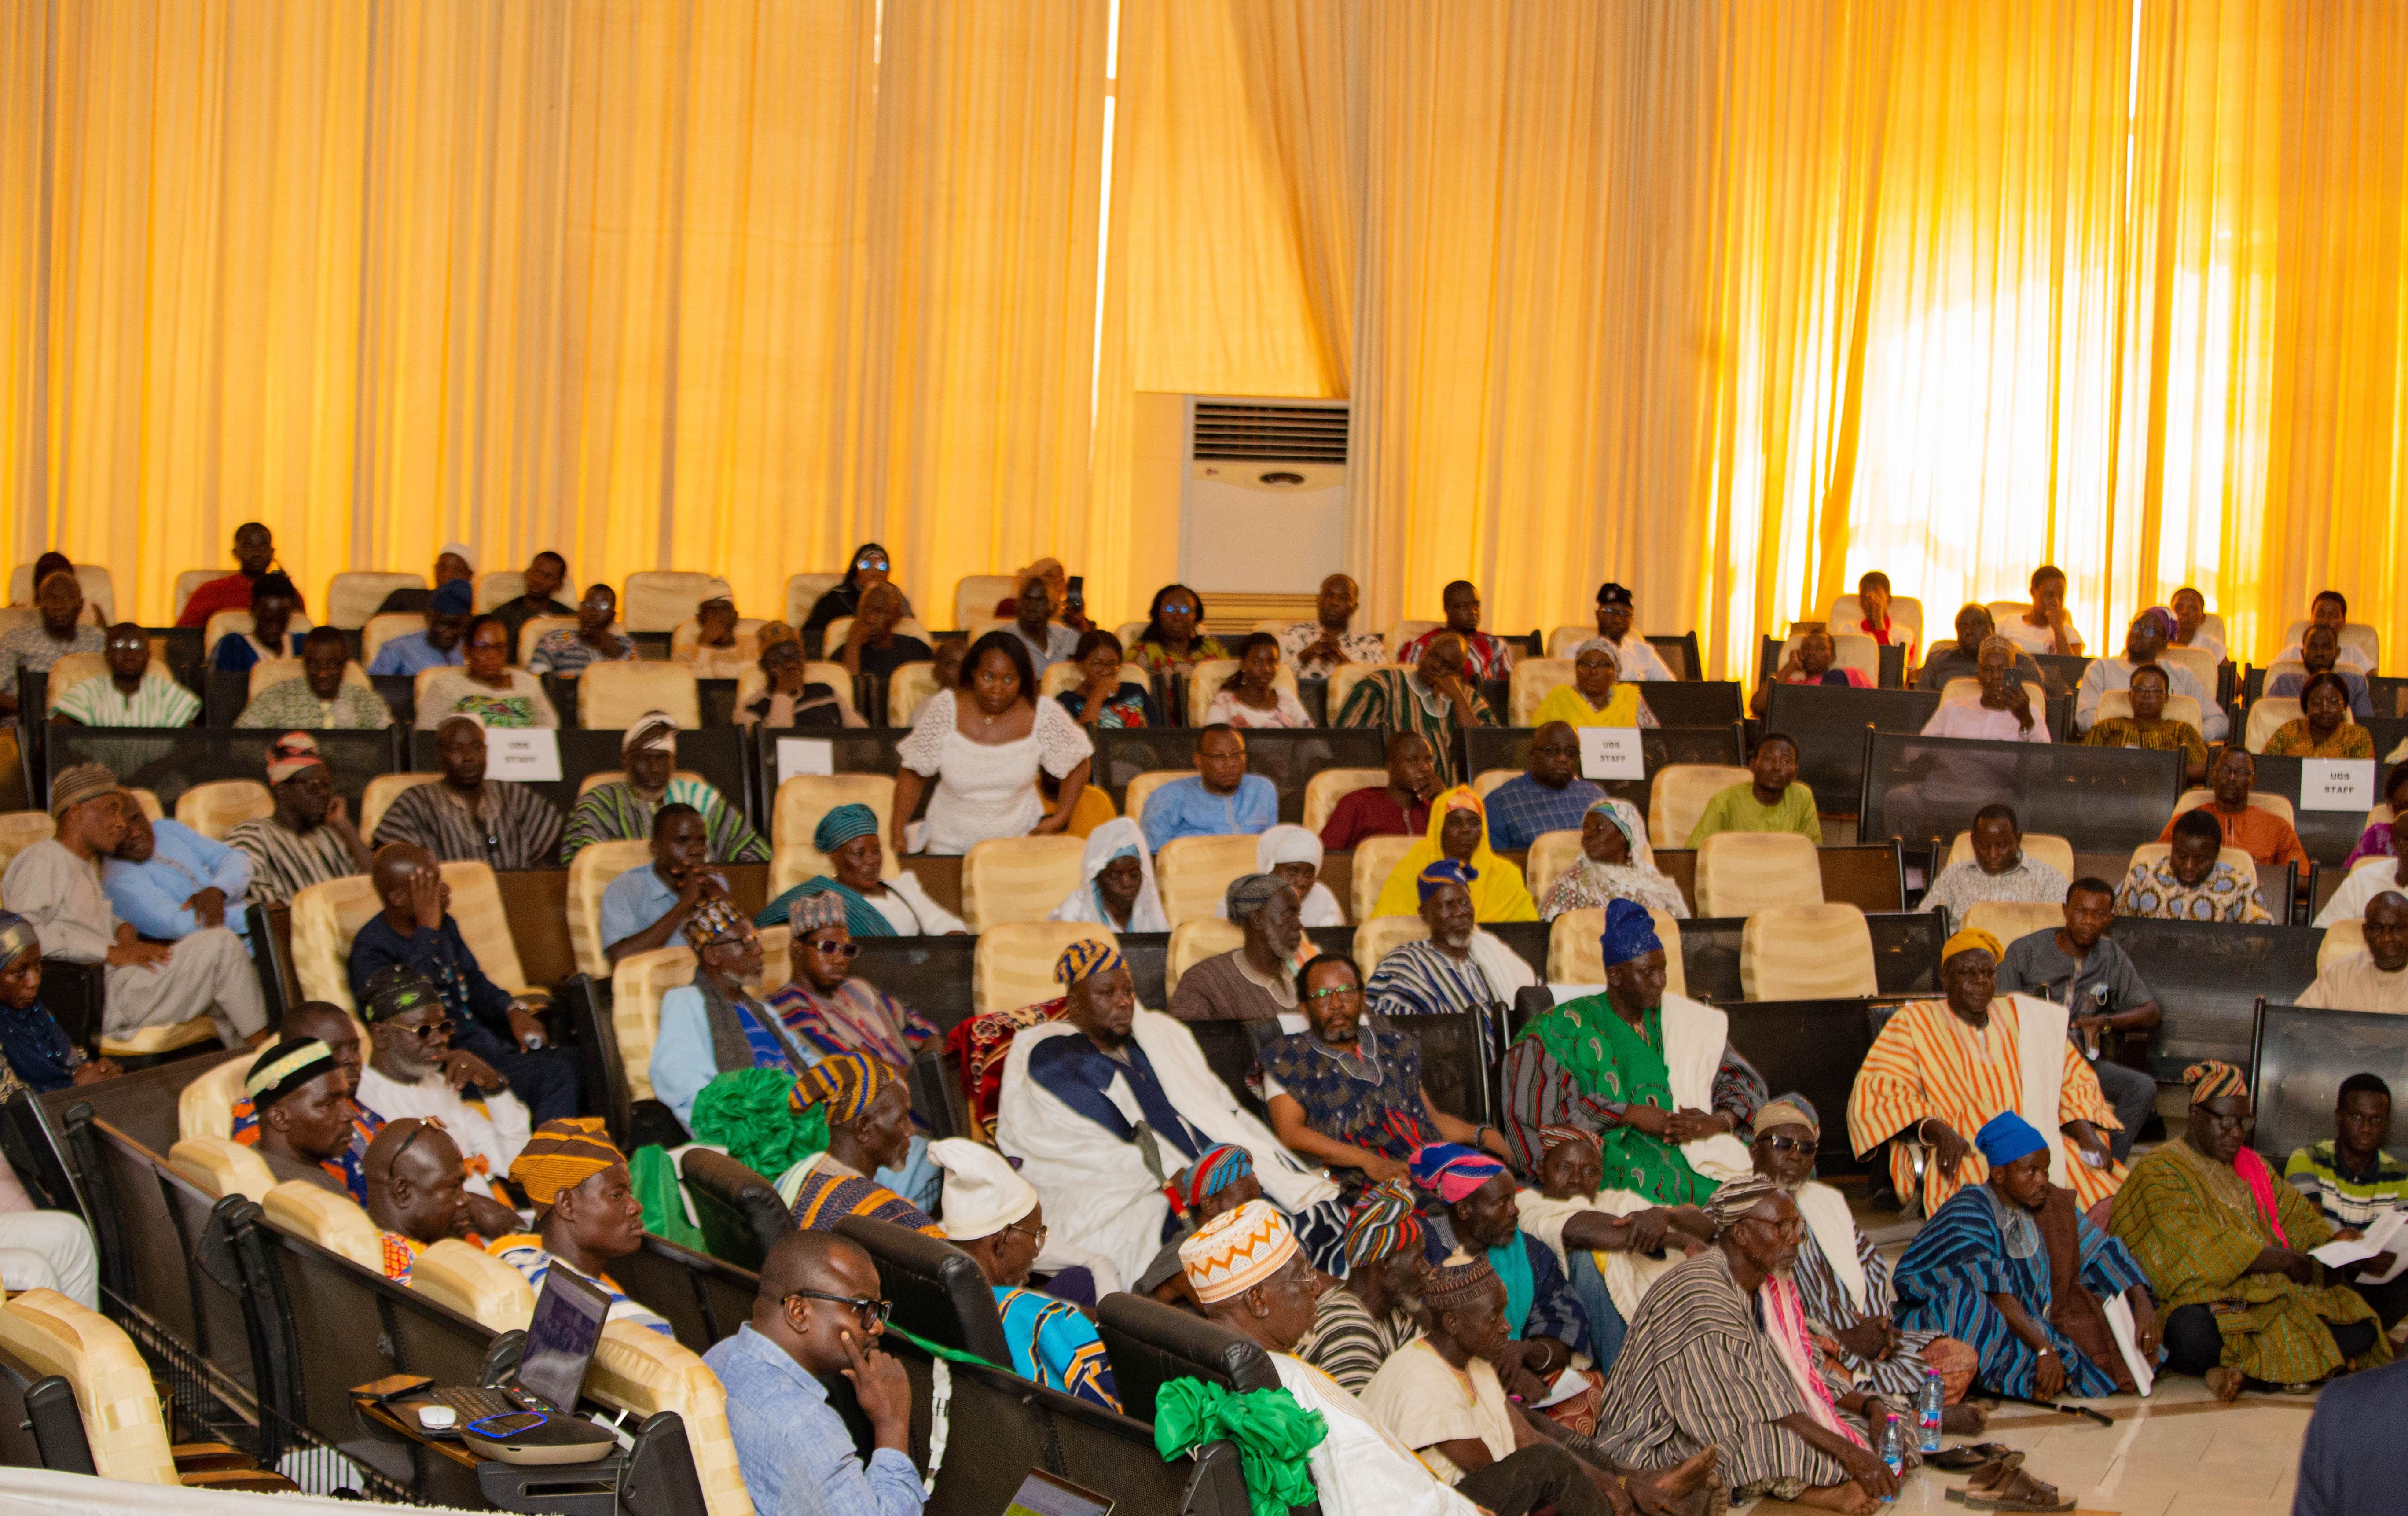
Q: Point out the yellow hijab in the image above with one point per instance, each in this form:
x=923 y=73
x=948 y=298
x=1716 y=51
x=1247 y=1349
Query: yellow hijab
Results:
x=1497 y=894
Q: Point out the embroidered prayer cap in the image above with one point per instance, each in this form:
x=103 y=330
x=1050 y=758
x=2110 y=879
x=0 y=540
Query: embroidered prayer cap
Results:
x=1598 y=645
x=1461 y=1280
x=1286 y=843
x=719 y=918
x=1629 y=932
x=1237 y=1250
x=2003 y=1138
x=1452 y=1170
x=1792 y=1109
x=16 y=935
x=452 y=597
x=284 y=1068
x=842 y=1083
x=2214 y=1079
x=1084 y=959
x=654 y=732
x=563 y=1154
x=842 y=825
x=814 y=913
x=73 y=786
x=1214 y=1170
x=1552 y=1138
x=718 y=589
x=1612 y=594
x=1968 y=938
x=286 y=757
x=398 y=990
x=1441 y=874
x=1250 y=892
x=465 y=717
x=1382 y=1223
x=1736 y=1198
x=983 y=1193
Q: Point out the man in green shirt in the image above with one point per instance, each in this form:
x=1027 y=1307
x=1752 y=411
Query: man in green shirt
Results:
x=1774 y=800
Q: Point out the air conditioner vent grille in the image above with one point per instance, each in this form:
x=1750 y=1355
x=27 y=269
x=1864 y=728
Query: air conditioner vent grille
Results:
x=1303 y=433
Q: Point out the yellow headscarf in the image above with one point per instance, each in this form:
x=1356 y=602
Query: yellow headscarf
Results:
x=1497 y=894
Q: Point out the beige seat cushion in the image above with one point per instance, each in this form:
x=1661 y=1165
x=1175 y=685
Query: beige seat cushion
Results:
x=221 y=1166
x=1133 y=803
x=1576 y=954
x=2039 y=846
x=535 y=629
x=1551 y=853
x=502 y=585
x=1195 y=873
x=976 y=596
x=1849 y=650
x=1533 y=680
x=205 y=1107
x=1807 y=952
x=2342 y=939
x=1342 y=681
x=612 y=697
x=21 y=830
x=1013 y=963
x=590 y=873
x=636 y=986
x=1562 y=641
x=2118 y=702
x=1677 y=795
x=1741 y=872
x=1847 y=614
x=2266 y=718
x=1205 y=682
x=1376 y=938
x=906 y=687
x=381 y=793
x=637 y=1369
x=804 y=800
x=1968 y=691
x=1193 y=942
x=45 y=1332
x=657 y=599
x=2265 y=801
x=150 y=1042
x=1486 y=781
x=352 y=597
x=384 y=628
x=268 y=672
x=2238 y=857
x=2009 y=919
x=474 y=1283
x=1375 y=859
x=329 y=1219
x=189 y=581
x=751 y=684
x=99 y=590
x=326 y=917
x=686 y=641
x=217 y=807
x=803 y=591
x=1324 y=790
x=1019 y=878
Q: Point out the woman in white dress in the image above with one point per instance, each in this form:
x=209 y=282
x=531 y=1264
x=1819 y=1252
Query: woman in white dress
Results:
x=1116 y=886
x=982 y=742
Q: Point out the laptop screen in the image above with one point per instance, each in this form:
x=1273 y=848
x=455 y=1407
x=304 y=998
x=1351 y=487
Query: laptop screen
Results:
x=1042 y=1494
x=568 y=1322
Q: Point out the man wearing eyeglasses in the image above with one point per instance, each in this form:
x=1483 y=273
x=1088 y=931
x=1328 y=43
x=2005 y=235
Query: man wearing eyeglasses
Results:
x=414 y=1070
x=993 y=1214
x=818 y=1315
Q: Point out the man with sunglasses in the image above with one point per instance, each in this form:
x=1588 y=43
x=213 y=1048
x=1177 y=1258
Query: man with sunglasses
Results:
x=818 y=1315
x=414 y=1070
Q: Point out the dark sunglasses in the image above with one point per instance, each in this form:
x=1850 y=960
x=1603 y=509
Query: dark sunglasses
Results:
x=429 y=1031
x=873 y=1312
x=847 y=950
x=1788 y=1145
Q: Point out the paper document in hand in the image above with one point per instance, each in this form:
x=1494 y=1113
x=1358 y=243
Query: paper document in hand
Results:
x=2382 y=1236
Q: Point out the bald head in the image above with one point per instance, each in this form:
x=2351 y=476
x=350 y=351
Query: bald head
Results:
x=417 y=1184
x=2387 y=931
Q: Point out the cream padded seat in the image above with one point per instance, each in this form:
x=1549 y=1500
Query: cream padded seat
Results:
x=612 y=697
x=2357 y=634
x=2115 y=703
x=151 y=1041
x=1533 y=680
x=474 y=1283
x=1133 y=805
x=2039 y=846
x=1741 y=872
x=1324 y=790
x=1485 y=781
x=45 y=1332
x=381 y=793
x=535 y=629
x=1064 y=677
x=1376 y=938
x=2199 y=661
x=1195 y=873
x=1576 y=955
x=656 y=600
x=804 y=800
x=2152 y=852
x=1375 y=859
x=21 y=830
x=189 y=581
x=2011 y=920
x=636 y=986
x=221 y=1166
x=1021 y=878
x=1342 y=681
x=686 y=641
x=1205 y=682
x=976 y=596
x=73 y=669
x=2342 y=939
x=1677 y=795
x=638 y=1370
x=1849 y=650
x=1563 y=639
x=906 y=687
x=331 y=1221
x=1846 y=612
x=590 y=872
x=352 y=597
x=99 y=590
x=1968 y=691
x=1807 y=952
x=1013 y=963
x=832 y=636
x=217 y=807
x=267 y=672
x=326 y=917
x=382 y=629
x=205 y=1107
x=2264 y=800
x=1405 y=632
x=1551 y=854
x=2268 y=715
x=751 y=684
x=1193 y=942
x=803 y=592
x=503 y=585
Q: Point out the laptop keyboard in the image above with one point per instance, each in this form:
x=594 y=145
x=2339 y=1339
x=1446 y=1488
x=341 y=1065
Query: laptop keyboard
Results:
x=475 y=1404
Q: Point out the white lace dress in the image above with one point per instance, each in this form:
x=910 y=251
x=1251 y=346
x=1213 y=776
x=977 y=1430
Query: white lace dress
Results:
x=987 y=789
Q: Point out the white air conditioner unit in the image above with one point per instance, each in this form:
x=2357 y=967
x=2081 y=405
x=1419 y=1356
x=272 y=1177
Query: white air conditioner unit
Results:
x=1263 y=502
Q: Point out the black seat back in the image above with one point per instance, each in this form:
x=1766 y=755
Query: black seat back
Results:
x=40 y=1425
x=703 y=1299
x=1150 y=1343
x=739 y=1212
x=939 y=1292
x=598 y=1067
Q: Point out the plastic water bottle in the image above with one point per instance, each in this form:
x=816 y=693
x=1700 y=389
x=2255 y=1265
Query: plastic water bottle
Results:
x=1892 y=1449
x=1929 y=1406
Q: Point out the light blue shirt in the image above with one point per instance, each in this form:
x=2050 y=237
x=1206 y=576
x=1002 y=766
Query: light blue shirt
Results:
x=682 y=1059
x=182 y=863
x=2104 y=674
x=792 y=1447
x=414 y=654
x=633 y=901
x=1184 y=808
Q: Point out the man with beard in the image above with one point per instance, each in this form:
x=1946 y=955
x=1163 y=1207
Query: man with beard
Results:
x=414 y=1070
x=1254 y=981
x=1376 y=1308
x=1459 y=967
x=303 y=1103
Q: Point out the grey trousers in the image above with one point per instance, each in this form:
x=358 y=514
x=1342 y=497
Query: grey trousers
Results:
x=208 y=974
x=2134 y=1095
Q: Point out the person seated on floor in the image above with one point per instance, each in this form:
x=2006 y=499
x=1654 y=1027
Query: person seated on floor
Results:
x=2225 y=1246
x=2003 y=714
x=1941 y=1068
x=2265 y=836
x=418 y=1193
x=1319 y=646
x=1597 y=695
x=1844 y=1284
x=39 y=1054
x=646 y=907
x=1253 y=695
x=35 y=647
x=566 y=654
x=1370 y=1314
x=1457 y=836
x=310 y=838
x=1960 y=660
x=1254 y=981
x=2080 y=967
x=275 y=603
x=1616 y=610
x=831 y=1008
x=2011 y=1267
x=54 y=885
x=2353 y=1183
x=454 y=562
x=437 y=647
x=2149 y=727
x=545 y=573
x=993 y=1214
x=1433 y=700
x=2143 y=640
x=132 y=693
x=1457 y=967
x=1999 y=870
x=1811 y=663
x=2376 y=979
x=255 y=549
x=1719 y=1358
x=1048 y=640
x=1615 y=862
x=2323 y=728
x=1351 y=1095
x=789 y=696
x=2046 y=627
x=1399 y=808
x=626 y=808
x=818 y=1314
x=587 y=1215
x=318 y=1020
x=2320 y=653
x=465 y=817
x=875 y=905
x=2331 y=610
x=716 y=653
x=485 y=685
x=715 y=1025
x=1773 y=800
x=1873 y=596
x=873 y=1165
x=2190 y=617
x=872 y=645
x=170 y=882
x=1222 y=800
x=301 y=1100
x=1103 y=701
x=2192 y=882
x=322 y=697
x=415 y=931
x=414 y=1070
x=1549 y=796
x=1068 y=1087
x=1651 y=1072
x=1485 y=657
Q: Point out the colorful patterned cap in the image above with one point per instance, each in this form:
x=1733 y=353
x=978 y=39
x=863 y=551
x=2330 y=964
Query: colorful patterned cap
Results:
x=283 y=1069
x=1629 y=932
x=815 y=912
x=2214 y=1079
x=1235 y=1251
x=1441 y=874
x=562 y=1155
x=1461 y=1280
x=843 y=1085
x=1792 y=1109
x=1382 y=1223
x=289 y=755
x=1736 y=1198
x=1084 y=959
x=1214 y=1170
x=712 y=919
x=1452 y=1170
x=1552 y=1138
x=842 y=825
x=397 y=992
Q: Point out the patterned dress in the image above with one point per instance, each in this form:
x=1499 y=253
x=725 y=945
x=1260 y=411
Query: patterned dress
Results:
x=1370 y=1097
x=2226 y=894
x=858 y=1017
x=826 y=1192
x=978 y=1046
x=1054 y=1343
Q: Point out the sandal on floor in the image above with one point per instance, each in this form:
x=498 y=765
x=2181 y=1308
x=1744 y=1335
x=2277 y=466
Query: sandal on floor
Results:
x=1971 y=1456
x=2016 y=1491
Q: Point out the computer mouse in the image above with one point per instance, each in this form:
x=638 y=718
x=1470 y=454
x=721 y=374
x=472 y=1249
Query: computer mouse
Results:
x=437 y=1418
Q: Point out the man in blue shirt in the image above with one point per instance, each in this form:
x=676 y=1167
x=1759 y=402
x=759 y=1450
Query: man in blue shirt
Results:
x=818 y=1314
x=645 y=908
x=170 y=881
x=438 y=645
x=1222 y=801
x=1549 y=797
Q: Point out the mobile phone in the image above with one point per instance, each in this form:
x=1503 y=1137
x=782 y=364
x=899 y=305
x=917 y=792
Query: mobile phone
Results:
x=1074 y=594
x=394 y=1386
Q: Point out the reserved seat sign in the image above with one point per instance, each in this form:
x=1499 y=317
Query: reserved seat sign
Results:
x=1612 y=753
x=528 y=757
x=2336 y=784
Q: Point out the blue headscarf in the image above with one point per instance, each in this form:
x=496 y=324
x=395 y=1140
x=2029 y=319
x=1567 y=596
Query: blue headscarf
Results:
x=1445 y=872
x=2005 y=1137
x=1629 y=932
x=842 y=825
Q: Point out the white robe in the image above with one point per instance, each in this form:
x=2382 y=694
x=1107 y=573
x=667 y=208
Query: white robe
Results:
x=496 y=1133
